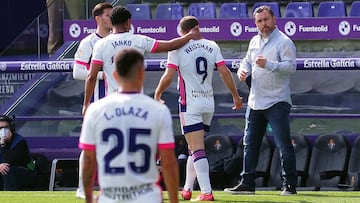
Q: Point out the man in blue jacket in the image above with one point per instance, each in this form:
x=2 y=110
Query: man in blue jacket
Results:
x=17 y=169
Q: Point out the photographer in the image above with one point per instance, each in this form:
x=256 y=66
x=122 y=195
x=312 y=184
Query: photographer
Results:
x=16 y=165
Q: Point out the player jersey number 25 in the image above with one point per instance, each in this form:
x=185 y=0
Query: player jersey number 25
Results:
x=133 y=147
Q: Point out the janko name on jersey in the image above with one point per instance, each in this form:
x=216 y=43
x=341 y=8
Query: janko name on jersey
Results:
x=121 y=43
x=127 y=111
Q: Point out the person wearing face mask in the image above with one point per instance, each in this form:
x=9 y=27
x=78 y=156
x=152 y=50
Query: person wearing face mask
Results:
x=17 y=168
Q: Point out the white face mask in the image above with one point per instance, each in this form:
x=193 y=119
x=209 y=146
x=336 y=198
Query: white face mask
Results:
x=4 y=132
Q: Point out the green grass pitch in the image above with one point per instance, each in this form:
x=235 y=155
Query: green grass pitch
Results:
x=260 y=196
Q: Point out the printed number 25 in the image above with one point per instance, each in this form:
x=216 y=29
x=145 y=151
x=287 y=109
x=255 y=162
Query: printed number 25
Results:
x=201 y=67
x=132 y=148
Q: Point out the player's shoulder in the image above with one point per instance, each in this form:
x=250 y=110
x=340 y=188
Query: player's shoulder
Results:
x=152 y=104
x=89 y=38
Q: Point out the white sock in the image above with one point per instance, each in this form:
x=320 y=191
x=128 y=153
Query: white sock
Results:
x=190 y=174
x=201 y=166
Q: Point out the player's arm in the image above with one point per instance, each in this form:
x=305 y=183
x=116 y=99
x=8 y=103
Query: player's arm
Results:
x=170 y=171
x=177 y=43
x=90 y=83
x=164 y=82
x=226 y=76
x=81 y=71
x=88 y=171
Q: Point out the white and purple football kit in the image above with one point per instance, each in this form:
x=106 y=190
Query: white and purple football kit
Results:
x=126 y=130
x=106 y=48
x=195 y=63
x=82 y=64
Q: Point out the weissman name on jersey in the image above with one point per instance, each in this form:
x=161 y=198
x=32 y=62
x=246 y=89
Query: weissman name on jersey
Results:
x=195 y=46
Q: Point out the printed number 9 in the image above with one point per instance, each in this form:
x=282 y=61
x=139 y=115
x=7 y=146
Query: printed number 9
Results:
x=201 y=67
x=132 y=148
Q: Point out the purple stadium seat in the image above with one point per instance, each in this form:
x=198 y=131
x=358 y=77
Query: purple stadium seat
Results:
x=139 y=11
x=202 y=10
x=332 y=9
x=169 y=11
x=274 y=6
x=299 y=10
x=355 y=9
x=233 y=10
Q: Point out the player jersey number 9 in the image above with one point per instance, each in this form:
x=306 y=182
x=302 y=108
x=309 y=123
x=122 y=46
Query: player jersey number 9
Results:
x=201 y=67
x=133 y=147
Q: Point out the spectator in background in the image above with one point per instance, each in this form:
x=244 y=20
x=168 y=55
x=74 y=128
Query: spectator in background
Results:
x=124 y=145
x=17 y=169
x=82 y=62
x=76 y=10
x=270 y=60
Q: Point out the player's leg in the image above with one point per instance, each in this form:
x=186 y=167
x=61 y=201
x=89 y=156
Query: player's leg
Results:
x=190 y=173
x=194 y=135
x=80 y=190
x=190 y=170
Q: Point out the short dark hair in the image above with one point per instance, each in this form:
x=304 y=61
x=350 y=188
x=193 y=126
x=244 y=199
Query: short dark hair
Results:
x=263 y=8
x=119 y=15
x=187 y=23
x=100 y=8
x=10 y=121
x=126 y=60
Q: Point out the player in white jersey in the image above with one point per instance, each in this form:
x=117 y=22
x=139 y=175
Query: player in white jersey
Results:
x=83 y=54
x=106 y=48
x=195 y=63
x=123 y=132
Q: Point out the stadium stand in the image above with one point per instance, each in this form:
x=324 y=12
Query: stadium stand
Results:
x=302 y=149
x=64 y=174
x=218 y=147
x=233 y=10
x=274 y=6
x=299 y=10
x=166 y=11
x=353 y=173
x=202 y=10
x=332 y=9
x=328 y=163
x=139 y=11
x=355 y=9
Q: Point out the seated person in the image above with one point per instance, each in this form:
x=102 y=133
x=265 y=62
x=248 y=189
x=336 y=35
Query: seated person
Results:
x=17 y=169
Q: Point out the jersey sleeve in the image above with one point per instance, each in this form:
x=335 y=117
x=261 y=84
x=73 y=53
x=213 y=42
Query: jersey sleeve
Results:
x=82 y=60
x=97 y=57
x=166 y=134
x=87 y=139
x=219 y=57
x=173 y=60
x=149 y=44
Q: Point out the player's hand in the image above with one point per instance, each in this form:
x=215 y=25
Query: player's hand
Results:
x=84 y=109
x=195 y=33
x=4 y=168
x=260 y=61
x=158 y=98
x=242 y=74
x=237 y=103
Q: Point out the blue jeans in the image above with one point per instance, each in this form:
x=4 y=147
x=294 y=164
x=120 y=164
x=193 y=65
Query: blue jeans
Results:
x=256 y=121
x=18 y=178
